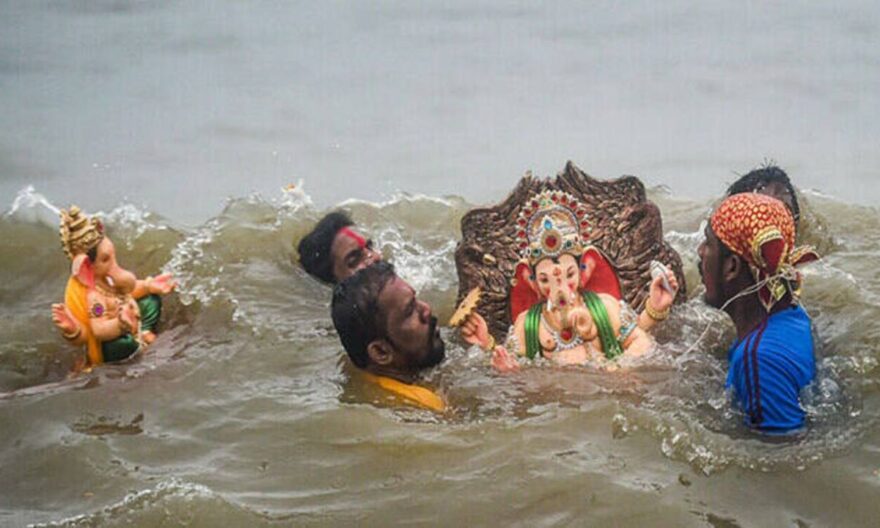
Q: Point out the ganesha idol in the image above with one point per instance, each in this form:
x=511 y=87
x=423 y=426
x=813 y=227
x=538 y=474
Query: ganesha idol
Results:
x=565 y=299
x=106 y=308
x=558 y=312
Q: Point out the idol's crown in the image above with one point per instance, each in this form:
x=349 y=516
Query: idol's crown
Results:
x=79 y=233
x=551 y=224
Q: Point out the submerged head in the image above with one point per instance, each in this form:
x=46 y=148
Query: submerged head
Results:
x=383 y=325
x=334 y=250
x=770 y=181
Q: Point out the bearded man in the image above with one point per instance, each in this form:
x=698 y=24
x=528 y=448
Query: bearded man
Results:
x=388 y=332
x=747 y=264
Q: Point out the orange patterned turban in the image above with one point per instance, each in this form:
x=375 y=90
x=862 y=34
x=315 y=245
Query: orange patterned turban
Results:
x=760 y=229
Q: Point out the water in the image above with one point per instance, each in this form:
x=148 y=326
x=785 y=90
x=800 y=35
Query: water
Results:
x=243 y=413
x=182 y=104
x=179 y=122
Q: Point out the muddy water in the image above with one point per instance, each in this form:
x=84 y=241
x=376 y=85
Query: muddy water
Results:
x=245 y=414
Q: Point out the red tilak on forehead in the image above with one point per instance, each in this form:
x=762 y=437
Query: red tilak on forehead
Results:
x=354 y=236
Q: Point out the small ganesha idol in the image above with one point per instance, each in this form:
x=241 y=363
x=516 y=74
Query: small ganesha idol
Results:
x=563 y=300
x=106 y=308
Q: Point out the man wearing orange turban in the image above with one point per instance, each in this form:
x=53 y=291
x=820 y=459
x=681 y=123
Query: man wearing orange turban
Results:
x=747 y=263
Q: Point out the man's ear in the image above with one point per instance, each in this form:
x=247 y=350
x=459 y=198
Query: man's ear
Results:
x=380 y=352
x=732 y=267
x=81 y=269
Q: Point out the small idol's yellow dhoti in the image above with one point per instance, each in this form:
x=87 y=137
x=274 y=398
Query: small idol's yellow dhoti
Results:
x=76 y=300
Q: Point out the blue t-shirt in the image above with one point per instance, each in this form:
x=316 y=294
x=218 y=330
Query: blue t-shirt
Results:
x=769 y=368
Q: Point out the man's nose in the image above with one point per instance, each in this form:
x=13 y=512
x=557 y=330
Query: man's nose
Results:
x=424 y=311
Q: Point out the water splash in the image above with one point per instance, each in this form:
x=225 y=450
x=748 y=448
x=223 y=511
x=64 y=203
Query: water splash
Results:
x=31 y=206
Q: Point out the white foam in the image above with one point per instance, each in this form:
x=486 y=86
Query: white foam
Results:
x=423 y=268
x=191 y=250
x=138 y=501
x=399 y=197
x=31 y=206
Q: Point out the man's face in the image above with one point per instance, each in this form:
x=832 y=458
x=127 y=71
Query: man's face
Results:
x=779 y=191
x=350 y=252
x=410 y=327
x=710 y=268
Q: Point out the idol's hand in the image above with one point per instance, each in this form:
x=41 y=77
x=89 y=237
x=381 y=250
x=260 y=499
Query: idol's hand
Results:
x=582 y=322
x=475 y=331
x=660 y=298
x=161 y=284
x=503 y=361
x=130 y=317
x=64 y=320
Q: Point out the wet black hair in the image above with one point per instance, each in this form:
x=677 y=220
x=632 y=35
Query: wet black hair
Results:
x=314 y=248
x=760 y=177
x=355 y=310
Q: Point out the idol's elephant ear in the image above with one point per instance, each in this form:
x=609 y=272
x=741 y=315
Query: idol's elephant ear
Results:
x=627 y=232
x=81 y=270
x=598 y=275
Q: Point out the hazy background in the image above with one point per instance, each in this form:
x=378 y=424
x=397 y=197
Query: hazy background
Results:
x=177 y=105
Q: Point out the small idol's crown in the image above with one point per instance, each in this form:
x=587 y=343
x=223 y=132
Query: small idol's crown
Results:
x=550 y=224
x=79 y=233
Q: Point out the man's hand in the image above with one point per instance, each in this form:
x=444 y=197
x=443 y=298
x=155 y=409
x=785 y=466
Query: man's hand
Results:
x=660 y=298
x=475 y=331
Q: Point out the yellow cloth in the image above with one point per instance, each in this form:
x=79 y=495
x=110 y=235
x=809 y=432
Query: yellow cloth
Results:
x=420 y=395
x=76 y=300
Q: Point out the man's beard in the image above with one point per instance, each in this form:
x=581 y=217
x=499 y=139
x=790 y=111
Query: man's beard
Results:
x=436 y=346
x=714 y=292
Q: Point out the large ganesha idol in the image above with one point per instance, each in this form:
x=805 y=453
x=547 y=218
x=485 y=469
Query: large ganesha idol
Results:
x=106 y=308
x=564 y=294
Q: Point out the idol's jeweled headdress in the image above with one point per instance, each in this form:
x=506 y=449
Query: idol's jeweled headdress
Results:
x=551 y=224
x=79 y=233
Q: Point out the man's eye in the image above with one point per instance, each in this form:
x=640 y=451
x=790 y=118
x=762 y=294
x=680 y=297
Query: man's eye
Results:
x=369 y=244
x=355 y=258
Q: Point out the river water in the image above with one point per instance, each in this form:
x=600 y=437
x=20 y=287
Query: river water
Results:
x=178 y=123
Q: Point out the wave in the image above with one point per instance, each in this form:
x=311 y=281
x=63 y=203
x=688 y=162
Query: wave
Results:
x=171 y=502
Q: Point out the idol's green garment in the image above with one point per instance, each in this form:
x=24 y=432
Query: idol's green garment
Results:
x=123 y=347
x=610 y=344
